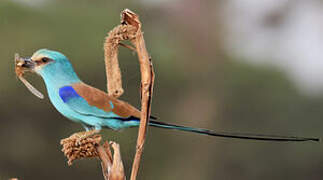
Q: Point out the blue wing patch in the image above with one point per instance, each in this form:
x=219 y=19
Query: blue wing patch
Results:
x=67 y=93
x=80 y=105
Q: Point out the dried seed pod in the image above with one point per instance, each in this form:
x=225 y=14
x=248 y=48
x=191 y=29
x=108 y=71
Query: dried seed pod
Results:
x=76 y=148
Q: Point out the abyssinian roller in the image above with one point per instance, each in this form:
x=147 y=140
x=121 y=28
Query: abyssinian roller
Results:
x=95 y=109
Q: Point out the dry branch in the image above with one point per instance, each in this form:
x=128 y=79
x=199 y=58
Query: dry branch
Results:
x=130 y=29
x=117 y=170
x=147 y=83
x=75 y=148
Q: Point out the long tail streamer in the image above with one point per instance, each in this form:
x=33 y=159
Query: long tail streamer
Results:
x=261 y=137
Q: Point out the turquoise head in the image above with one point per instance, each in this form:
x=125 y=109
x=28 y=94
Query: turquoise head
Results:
x=54 y=67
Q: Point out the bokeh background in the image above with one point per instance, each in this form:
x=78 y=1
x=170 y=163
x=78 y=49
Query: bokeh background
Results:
x=238 y=66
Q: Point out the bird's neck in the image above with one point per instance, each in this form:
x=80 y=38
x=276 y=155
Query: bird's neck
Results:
x=56 y=78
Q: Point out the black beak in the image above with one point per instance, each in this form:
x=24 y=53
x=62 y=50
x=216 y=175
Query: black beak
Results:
x=27 y=63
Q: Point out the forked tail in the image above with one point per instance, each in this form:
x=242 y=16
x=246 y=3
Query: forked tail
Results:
x=261 y=137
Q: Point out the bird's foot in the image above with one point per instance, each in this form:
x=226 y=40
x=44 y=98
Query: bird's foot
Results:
x=83 y=135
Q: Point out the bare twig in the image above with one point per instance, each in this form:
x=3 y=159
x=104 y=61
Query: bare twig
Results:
x=104 y=153
x=147 y=83
x=130 y=29
x=117 y=170
x=112 y=168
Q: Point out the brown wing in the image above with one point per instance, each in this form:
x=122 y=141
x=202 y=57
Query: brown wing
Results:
x=102 y=100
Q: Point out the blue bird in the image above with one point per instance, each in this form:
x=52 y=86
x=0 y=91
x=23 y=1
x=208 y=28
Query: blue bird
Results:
x=94 y=109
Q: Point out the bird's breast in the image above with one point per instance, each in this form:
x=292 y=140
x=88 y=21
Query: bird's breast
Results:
x=61 y=106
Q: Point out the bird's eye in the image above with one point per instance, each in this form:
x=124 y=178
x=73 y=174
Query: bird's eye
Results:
x=44 y=59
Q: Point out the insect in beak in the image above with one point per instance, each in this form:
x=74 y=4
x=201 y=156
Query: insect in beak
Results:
x=23 y=65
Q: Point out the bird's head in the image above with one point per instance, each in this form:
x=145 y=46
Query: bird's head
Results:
x=44 y=60
x=52 y=66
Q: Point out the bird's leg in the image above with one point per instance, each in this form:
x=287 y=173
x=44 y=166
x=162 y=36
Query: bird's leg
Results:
x=87 y=128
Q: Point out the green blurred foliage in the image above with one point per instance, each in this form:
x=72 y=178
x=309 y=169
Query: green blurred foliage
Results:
x=196 y=84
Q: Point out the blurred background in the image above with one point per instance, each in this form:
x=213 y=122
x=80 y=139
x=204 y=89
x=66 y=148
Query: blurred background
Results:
x=237 y=66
